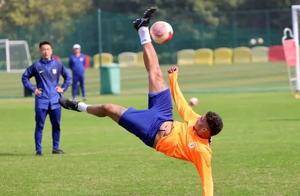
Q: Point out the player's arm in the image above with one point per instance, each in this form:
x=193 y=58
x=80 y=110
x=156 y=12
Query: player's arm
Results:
x=70 y=63
x=203 y=164
x=29 y=72
x=182 y=105
x=67 y=78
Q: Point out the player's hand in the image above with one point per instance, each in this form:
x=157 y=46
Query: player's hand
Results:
x=38 y=91
x=173 y=69
x=59 y=89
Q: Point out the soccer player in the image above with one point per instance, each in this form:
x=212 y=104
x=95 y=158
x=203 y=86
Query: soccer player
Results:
x=76 y=63
x=188 y=140
x=47 y=72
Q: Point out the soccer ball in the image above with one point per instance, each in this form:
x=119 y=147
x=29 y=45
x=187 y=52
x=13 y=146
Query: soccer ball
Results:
x=161 y=32
x=260 y=40
x=193 y=101
x=252 y=42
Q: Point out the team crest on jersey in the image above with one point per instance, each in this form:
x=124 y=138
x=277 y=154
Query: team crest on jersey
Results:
x=192 y=145
x=54 y=71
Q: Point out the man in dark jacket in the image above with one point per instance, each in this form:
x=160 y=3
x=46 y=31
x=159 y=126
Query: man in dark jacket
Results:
x=47 y=72
x=76 y=63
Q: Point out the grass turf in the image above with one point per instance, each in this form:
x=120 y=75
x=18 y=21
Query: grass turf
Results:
x=256 y=154
x=260 y=77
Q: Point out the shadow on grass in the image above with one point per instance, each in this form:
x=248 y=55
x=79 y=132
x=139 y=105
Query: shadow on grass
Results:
x=283 y=119
x=10 y=154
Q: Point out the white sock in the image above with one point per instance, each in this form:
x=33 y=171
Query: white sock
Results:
x=82 y=106
x=144 y=35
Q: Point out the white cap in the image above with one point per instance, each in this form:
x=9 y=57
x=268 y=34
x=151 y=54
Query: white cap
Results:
x=76 y=46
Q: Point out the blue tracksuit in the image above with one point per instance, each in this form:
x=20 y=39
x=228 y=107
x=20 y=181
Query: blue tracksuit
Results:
x=46 y=73
x=77 y=66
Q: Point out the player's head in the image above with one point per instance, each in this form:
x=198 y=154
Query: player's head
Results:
x=45 y=49
x=76 y=49
x=208 y=125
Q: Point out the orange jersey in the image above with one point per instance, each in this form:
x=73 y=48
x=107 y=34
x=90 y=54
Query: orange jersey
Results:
x=183 y=142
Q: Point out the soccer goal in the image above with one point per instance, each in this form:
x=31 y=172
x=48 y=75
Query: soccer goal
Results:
x=14 y=55
x=295 y=21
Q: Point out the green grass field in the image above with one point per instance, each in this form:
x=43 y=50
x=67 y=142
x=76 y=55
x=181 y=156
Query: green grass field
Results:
x=256 y=154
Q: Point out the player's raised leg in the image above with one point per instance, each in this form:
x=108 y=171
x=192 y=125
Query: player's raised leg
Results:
x=155 y=76
x=101 y=110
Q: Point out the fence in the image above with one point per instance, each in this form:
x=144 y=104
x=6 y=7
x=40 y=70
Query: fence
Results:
x=242 y=26
x=117 y=34
x=113 y=33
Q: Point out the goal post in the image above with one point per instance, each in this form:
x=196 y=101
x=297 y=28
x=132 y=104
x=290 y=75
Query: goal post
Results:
x=14 y=55
x=4 y=55
x=295 y=22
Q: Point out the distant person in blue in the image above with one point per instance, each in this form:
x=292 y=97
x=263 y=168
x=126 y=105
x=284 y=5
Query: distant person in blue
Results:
x=47 y=72
x=76 y=64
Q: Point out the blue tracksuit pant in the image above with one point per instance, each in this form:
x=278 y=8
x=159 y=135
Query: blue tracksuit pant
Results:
x=78 y=81
x=40 y=116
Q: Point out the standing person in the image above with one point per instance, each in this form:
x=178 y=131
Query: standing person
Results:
x=188 y=140
x=47 y=72
x=76 y=63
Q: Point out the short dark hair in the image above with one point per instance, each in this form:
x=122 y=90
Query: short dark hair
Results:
x=45 y=43
x=214 y=122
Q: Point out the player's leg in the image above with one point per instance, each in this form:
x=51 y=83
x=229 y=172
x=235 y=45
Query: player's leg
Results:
x=111 y=110
x=102 y=110
x=55 y=117
x=74 y=87
x=82 y=86
x=40 y=116
x=137 y=122
x=155 y=76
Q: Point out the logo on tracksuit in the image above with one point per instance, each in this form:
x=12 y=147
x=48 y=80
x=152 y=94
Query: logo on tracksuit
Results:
x=54 y=71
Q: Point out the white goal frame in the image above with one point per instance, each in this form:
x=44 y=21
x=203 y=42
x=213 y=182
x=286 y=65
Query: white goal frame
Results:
x=295 y=20
x=7 y=44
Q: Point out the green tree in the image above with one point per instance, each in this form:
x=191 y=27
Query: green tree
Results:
x=189 y=10
x=36 y=20
x=270 y=4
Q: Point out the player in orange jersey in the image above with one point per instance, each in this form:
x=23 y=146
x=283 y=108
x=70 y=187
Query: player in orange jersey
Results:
x=188 y=140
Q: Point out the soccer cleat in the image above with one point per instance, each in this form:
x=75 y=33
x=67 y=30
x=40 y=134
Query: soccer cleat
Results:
x=149 y=12
x=58 y=151
x=39 y=153
x=68 y=104
x=145 y=20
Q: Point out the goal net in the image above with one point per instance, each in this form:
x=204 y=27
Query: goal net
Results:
x=14 y=55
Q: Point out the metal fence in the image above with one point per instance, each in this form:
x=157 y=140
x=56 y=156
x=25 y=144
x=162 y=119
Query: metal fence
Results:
x=113 y=32
x=242 y=26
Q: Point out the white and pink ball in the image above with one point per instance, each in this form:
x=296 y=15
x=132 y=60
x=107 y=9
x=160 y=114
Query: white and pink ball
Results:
x=161 y=32
x=193 y=101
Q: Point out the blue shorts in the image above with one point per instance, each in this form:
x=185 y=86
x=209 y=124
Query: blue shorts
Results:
x=146 y=123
